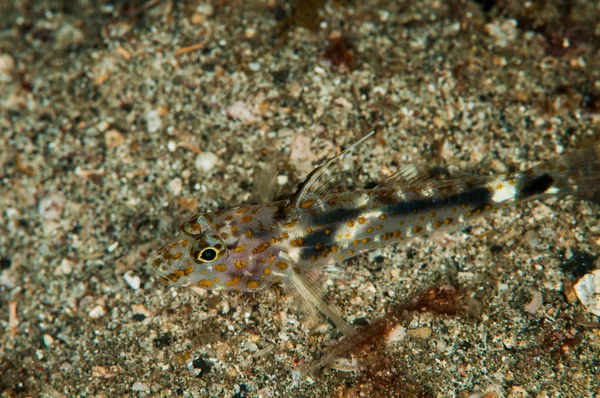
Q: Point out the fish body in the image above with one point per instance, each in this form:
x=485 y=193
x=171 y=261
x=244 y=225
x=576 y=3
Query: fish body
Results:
x=249 y=248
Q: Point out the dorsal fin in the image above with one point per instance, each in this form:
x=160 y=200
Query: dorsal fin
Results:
x=315 y=182
x=413 y=181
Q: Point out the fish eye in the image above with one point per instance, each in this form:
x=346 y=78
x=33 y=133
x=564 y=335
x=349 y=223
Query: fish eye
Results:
x=207 y=248
x=209 y=254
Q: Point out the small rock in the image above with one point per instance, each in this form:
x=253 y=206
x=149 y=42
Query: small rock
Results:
x=7 y=66
x=97 y=312
x=113 y=246
x=139 y=386
x=133 y=281
x=343 y=102
x=397 y=333
x=140 y=309
x=66 y=266
x=48 y=340
x=176 y=186
x=68 y=35
x=153 y=121
x=420 y=333
x=504 y=33
x=205 y=9
x=206 y=161
x=113 y=139
x=282 y=179
x=532 y=238
x=51 y=207
x=536 y=302
x=569 y=292
x=242 y=111
x=587 y=289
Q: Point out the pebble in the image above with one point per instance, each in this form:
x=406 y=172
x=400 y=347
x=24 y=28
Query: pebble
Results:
x=113 y=138
x=397 y=333
x=171 y=146
x=132 y=280
x=68 y=35
x=504 y=33
x=113 y=246
x=536 y=302
x=242 y=111
x=139 y=386
x=206 y=161
x=7 y=65
x=532 y=238
x=48 y=340
x=587 y=289
x=282 y=179
x=205 y=9
x=97 y=312
x=51 y=207
x=140 y=309
x=569 y=292
x=153 y=121
x=176 y=186
x=66 y=266
x=420 y=333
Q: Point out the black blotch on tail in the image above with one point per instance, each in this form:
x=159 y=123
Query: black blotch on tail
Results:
x=536 y=185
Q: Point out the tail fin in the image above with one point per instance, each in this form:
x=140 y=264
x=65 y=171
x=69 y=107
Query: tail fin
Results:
x=575 y=173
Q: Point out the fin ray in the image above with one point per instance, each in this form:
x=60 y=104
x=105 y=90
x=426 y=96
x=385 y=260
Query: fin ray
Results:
x=313 y=185
x=307 y=286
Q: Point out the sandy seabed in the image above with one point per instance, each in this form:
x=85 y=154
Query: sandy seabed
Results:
x=118 y=120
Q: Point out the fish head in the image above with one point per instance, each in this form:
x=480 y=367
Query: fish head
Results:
x=217 y=254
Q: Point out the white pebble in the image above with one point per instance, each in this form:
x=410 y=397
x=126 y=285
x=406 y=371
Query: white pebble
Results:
x=112 y=247
x=206 y=161
x=282 y=179
x=153 y=122
x=205 y=9
x=398 y=333
x=240 y=110
x=176 y=186
x=536 y=302
x=48 y=340
x=132 y=280
x=587 y=289
x=254 y=66
x=171 y=146
x=97 y=312
x=7 y=65
x=139 y=386
x=66 y=266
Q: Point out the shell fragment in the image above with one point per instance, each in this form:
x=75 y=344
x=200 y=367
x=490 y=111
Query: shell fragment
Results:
x=587 y=289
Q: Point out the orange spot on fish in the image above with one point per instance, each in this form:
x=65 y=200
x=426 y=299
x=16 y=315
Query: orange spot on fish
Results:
x=298 y=242
x=260 y=248
x=205 y=283
x=306 y=204
x=233 y=282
